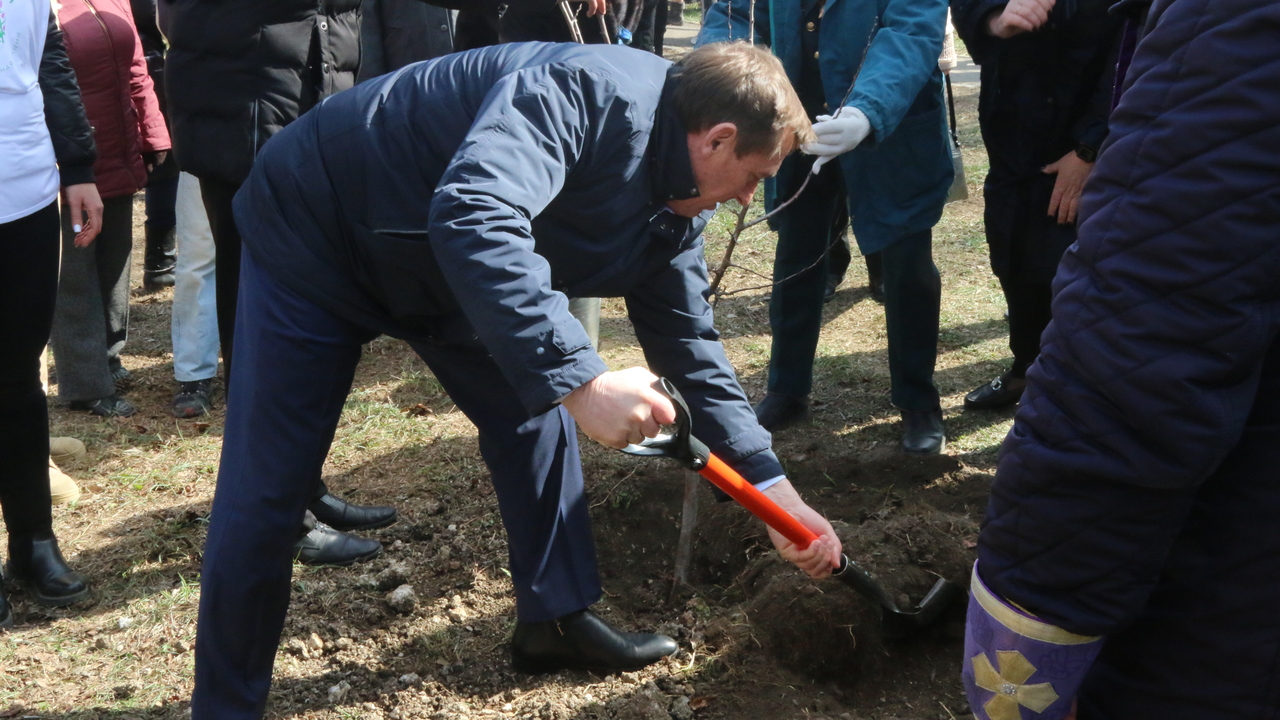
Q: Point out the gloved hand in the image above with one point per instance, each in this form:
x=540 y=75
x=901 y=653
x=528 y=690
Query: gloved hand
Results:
x=837 y=134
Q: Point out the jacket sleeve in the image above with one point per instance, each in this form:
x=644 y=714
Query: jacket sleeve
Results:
x=532 y=129
x=1090 y=128
x=970 y=20
x=902 y=57
x=152 y=130
x=64 y=114
x=674 y=324
x=729 y=20
x=1150 y=368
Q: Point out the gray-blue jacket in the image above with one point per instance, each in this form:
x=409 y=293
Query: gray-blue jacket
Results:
x=465 y=199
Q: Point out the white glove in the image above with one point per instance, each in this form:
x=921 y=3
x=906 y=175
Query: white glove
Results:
x=837 y=134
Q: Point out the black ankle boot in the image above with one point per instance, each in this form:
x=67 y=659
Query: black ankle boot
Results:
x=582 y=641
x=6 y=611
x=40 y=565
x=160 y=258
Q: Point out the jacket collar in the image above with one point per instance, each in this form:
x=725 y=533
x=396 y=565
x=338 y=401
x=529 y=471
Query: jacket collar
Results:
x=671 y=171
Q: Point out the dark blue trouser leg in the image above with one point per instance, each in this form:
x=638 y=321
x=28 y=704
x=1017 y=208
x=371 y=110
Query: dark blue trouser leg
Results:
x=296 y=367
x=537 y=475
x=800 y=274
x=912 y=304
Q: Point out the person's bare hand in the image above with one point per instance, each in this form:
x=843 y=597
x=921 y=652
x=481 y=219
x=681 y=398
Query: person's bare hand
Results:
x=1071 y=172
x=595 y=7
x=620 y=408
x=823 y=555
x=1019 y=16
x=85 y=207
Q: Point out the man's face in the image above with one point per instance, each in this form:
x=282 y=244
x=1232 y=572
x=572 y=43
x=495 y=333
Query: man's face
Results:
x=720 y=174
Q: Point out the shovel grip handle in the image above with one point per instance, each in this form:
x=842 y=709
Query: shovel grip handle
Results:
x=728 y=480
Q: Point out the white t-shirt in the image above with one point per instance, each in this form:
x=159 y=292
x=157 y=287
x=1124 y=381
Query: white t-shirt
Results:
x=28 y=169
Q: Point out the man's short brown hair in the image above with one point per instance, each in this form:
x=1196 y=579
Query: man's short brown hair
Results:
x=742 y=84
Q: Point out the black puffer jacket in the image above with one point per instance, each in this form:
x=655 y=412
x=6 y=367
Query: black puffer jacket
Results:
x=64 y=112
x=240 y=70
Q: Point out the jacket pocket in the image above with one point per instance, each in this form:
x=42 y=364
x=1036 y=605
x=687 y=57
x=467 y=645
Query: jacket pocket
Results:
x=399 y=268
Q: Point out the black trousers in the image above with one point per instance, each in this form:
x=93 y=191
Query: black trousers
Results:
x=28 y=290
x=217 y=196
x=1029 y=304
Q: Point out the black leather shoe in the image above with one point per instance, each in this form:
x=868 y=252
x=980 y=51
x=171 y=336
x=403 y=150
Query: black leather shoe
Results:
x=582 y=641
x=1001 y=392
x=6 y=611
x=777 y=411
x=326 y=546
x=833 y=282
x=342 y=515
x=39 y=564
x=924 y=432
x=109 y=406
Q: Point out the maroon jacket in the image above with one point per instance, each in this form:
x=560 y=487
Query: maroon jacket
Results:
x=103 y=45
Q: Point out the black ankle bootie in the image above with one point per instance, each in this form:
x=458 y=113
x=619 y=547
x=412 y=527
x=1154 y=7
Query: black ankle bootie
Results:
x=582 y=641
x=39 y=565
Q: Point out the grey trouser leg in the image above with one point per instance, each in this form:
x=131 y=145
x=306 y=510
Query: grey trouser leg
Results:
x=91 y=320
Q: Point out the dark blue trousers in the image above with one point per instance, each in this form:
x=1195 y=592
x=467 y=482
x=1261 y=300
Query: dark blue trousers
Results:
x=294 y=366
x=912 y=290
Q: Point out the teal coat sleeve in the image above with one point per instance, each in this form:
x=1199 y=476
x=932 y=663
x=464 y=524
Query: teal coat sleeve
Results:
x=903 y=57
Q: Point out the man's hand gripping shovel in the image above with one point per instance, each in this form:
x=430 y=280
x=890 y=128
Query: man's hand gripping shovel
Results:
x=690 y=452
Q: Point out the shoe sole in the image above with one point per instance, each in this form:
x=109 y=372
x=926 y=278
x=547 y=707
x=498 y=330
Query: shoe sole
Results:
x=533 y=667
x=46 y=600
x=941 y=447
x=344 y=563
x=357 y=528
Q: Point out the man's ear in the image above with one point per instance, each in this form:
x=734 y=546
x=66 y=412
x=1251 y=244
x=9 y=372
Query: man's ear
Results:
x=724 y=135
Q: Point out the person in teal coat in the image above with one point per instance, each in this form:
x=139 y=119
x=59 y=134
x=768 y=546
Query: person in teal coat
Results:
x=867 y=71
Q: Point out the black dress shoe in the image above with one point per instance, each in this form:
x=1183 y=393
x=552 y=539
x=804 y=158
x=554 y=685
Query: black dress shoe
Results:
x=924 y=432
x=777 y=411
x=342 y=515
x=1001 y=392
x=582 y=641
x=833 y=282
x=6 y=611
x=109 y=406
x=326 y=546
x=39 y=564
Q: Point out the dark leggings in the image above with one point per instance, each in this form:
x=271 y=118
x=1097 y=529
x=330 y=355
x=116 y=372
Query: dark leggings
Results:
x=217 y=197
x=28 y=289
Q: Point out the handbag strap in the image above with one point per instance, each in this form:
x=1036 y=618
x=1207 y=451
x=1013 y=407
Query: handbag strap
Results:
x=951 y=106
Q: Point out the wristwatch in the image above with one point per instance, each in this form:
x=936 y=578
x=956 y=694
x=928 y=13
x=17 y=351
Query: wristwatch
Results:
x=1086 y=153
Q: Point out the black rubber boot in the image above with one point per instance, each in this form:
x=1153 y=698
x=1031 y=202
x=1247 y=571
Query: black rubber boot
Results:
x=160 y=259
x=39 y=565
x=582 y=641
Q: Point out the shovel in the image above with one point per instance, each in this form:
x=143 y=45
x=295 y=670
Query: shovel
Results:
x=690 y=452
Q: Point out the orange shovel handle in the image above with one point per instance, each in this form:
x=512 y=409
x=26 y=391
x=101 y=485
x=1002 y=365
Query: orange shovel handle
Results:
x=728 y=480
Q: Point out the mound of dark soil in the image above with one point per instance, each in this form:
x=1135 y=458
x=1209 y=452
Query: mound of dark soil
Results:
x=824 y=629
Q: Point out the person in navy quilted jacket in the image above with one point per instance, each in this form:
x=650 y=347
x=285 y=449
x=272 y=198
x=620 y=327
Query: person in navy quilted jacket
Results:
x=1129 y=565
